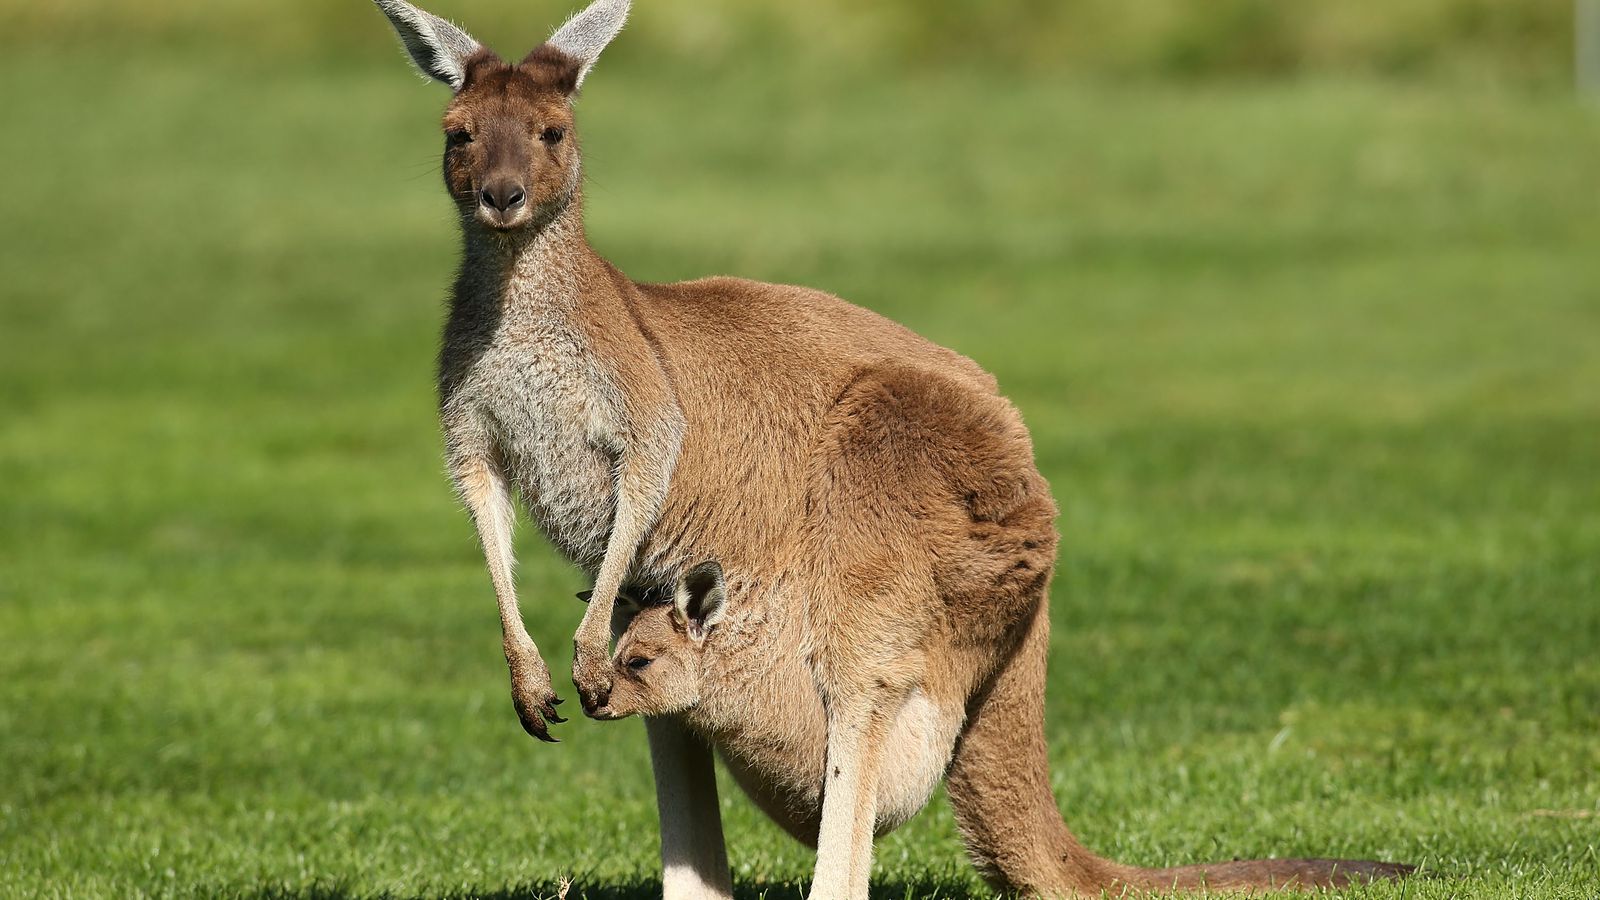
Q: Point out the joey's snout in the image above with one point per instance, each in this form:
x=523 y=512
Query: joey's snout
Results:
x=626 y=696
x=615 y=701
x=610 y=711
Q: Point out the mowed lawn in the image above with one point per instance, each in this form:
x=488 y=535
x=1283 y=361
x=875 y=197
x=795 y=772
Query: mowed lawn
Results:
x=1314 y=370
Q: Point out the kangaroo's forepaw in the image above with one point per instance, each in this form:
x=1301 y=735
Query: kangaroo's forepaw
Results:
x=591 y=675
x=536 y=701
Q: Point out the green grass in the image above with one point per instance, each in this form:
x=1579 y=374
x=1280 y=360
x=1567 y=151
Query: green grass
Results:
x=1314 y=369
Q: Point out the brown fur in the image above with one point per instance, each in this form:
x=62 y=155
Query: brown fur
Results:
x=747 y=683
x=874 y=494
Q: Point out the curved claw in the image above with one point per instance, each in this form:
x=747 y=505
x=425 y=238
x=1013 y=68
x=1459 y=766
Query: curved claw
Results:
x=550 y=714
x=533 y=724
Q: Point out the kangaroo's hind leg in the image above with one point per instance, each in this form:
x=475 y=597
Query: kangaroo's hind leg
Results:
x=857 y=729
x=999 y=782
x=694 y=858
x=864 y=670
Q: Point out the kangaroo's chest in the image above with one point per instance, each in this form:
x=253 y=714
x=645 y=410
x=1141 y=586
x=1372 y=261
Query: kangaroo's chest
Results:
x=554 y=416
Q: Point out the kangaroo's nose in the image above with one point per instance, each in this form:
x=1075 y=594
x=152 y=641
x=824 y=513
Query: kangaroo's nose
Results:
x=503 y=196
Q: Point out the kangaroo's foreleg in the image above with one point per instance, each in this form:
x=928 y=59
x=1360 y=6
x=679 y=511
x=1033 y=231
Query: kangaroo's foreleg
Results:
x=476 y=471
x=643 y=473
x=694 y=858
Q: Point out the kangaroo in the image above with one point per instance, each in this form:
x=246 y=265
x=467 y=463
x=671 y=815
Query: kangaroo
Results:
x=794 y=437
x=737 y=674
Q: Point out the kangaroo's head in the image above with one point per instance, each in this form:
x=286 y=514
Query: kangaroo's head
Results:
x=656 y=669
x=510 y=155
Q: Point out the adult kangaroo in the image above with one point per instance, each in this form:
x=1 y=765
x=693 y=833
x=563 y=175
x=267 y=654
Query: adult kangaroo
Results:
x=648 y=428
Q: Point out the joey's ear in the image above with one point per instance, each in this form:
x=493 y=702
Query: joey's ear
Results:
x=439 y=50
x=626 y=599
x=587 y=33
x=701 y=599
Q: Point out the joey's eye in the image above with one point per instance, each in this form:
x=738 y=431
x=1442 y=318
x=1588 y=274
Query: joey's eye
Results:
x=638 y=663
x=455 y=137
x=552 y=135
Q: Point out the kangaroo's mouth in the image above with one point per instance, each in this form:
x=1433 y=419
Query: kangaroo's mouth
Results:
x=504 y=221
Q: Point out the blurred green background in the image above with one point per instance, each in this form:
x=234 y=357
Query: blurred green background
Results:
x=1525 y=42
x=1300 y=299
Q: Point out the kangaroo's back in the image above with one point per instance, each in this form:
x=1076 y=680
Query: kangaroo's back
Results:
x=757 y=369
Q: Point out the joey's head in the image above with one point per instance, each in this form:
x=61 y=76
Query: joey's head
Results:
x=657 y=667
x=510 y=155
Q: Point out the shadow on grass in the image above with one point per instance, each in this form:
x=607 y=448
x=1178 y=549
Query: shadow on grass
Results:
x=582 y=889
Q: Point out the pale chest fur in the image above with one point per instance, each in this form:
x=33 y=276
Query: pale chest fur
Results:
x=553 y=416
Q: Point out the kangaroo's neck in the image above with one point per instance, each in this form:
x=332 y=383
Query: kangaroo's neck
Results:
x=546 y=269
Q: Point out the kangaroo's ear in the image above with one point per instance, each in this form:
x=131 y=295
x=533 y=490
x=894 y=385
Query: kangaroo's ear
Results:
x=587 y=33
x=439 y=50
x=701 y=599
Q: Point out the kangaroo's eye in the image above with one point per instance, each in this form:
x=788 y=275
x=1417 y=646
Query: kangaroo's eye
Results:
x=552 y=135
x=638 y=663
x=455 y=137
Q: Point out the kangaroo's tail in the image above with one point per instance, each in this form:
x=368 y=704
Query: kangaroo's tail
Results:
x=1245 y=874
x=999 y=786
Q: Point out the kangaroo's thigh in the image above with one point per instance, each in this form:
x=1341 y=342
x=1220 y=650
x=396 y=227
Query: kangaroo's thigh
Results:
x=921 y=736
x=930 y=524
